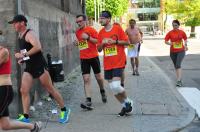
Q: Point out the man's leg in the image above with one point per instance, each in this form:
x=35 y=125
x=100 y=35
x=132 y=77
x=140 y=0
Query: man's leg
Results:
x=27 y=81
x=121 y=96
x=137 y=65
x=100 y=82
x=123 y=77
x=46 y=82
x=133 y=65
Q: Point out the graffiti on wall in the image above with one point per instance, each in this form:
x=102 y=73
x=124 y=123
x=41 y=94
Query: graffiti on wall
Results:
x=68 y=30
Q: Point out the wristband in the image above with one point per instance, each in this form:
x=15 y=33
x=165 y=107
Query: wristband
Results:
x=88 y=38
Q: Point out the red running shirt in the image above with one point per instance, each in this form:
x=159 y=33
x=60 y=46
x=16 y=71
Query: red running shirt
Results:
x=5 y=68
x=114 y=55
x=176 y=37
x=87 y=48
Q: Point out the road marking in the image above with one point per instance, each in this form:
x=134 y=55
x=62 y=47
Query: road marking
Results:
x=192 y=96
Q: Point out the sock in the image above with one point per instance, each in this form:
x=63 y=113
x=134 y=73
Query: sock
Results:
x=126 y=100
x=26 y=116
x=123 y=104
x=63 y=109
x=89 y=99
x=102 y=91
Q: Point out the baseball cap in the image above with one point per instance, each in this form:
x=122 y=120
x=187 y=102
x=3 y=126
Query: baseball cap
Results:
x=105 y=14
x=18 y=18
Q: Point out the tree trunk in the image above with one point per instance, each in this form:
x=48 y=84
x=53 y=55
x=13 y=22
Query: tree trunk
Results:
x=192 y=34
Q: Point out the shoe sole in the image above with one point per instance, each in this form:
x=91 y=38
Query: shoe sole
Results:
x=86 y=107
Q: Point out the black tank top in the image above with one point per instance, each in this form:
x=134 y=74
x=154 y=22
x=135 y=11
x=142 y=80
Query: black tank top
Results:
x=36 y=59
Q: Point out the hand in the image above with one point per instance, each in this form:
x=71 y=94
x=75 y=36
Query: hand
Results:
x=169 y=43
x=20 y=61
x=19 y=55
x=85 y=36
x=75 y=42
x=108 y=41
x=186 y=48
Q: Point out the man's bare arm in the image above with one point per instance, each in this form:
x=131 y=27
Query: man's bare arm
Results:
x=34 y=41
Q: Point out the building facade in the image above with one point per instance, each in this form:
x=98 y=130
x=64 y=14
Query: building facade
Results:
x=148 y=15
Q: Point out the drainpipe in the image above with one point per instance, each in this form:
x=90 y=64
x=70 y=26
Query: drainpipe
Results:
x=83 y=7
x=19 y=6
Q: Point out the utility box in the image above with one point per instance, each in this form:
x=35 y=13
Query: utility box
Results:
x=56 y=71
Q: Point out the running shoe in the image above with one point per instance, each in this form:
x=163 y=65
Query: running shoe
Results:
x=23 y=119
x=122 y=112
x=129 y=106
x=87 y=105
x=64 y=116
x=104 y=97
x=37 y=126
x=179 y=83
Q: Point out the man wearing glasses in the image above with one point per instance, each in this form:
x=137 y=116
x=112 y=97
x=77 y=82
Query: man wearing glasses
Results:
x=112 y=40
x=87 y=44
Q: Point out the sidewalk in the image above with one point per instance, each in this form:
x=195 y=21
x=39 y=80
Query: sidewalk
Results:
x=158 y=107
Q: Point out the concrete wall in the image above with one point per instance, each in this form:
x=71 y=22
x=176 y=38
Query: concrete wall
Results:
x=54 y=27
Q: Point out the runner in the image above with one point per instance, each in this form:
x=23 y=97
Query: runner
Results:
x=135 y=37
x=112 y=40
x=175 y=38
x=87 y=43
x=31 y=54
x=6 y=96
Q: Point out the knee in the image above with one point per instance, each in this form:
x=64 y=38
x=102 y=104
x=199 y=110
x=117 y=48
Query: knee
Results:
x=99 y=77
x=116 y=87
x=24 y=91
x=86 y=79
x=177 y=66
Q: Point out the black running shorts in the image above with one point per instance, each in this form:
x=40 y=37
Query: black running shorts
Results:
x=6 y=97
x=86 y=65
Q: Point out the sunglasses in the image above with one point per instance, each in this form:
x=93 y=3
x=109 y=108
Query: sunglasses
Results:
x=79 y=21
x=175 y=25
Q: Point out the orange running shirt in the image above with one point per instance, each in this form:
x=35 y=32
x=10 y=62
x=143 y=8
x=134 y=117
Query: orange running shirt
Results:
x=176 y=37
x=87 y=48
x=114 y=54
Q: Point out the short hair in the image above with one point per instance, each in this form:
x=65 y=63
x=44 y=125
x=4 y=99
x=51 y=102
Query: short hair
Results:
x=106 y=14
x=176 y=21
x=132 y=20
x=81 y=15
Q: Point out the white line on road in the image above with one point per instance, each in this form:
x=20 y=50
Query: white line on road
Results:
x=192 y=96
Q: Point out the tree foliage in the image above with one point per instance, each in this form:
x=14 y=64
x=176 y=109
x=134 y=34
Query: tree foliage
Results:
x=188 y=11
x=116 y=7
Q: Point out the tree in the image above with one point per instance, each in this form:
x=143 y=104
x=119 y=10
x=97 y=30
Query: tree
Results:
x=116 y=7
x=187 y=11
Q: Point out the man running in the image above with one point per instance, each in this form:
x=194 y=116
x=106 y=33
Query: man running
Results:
x=87 y=43
x=135 y=38
x=111 y=40
x=31 y=54
x=6 y=96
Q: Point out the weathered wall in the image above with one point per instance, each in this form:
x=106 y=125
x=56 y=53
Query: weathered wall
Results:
x=54 y=27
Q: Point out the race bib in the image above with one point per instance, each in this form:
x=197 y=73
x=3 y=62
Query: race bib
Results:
x=177 y=45
x=110 y=51
x=131 y=46
x=82 y=45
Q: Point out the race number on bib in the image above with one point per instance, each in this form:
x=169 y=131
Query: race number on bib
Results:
x=111 y=51
x=82 y=45
x=177 y=45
